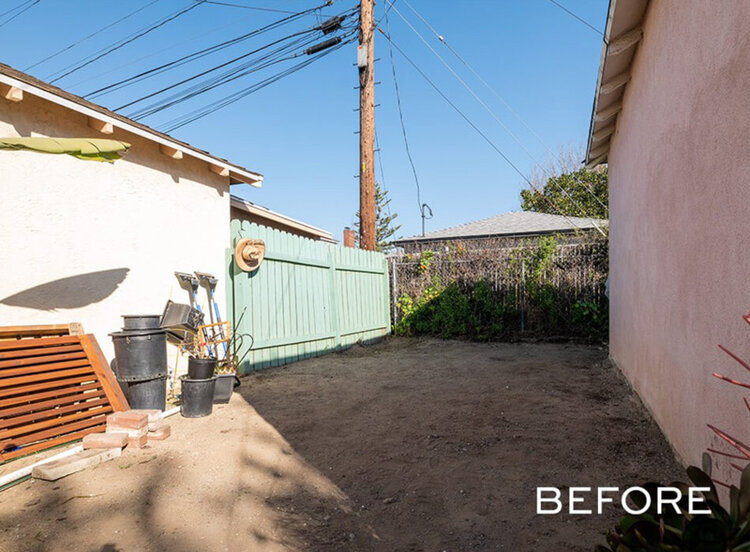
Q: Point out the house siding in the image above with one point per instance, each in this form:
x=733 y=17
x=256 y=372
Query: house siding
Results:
x=144 y=217
x=679 y=206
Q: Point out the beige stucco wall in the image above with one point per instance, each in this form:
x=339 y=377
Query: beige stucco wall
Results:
x=679 y=210
x=136 y=220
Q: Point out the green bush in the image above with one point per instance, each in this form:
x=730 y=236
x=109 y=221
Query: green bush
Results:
x=479 y=312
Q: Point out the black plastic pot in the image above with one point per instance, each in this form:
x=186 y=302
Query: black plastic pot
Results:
x=201 y=368
x=140 y=321
x=147 y=395
x=224 y=388
x=197 y=397
x=141 y=354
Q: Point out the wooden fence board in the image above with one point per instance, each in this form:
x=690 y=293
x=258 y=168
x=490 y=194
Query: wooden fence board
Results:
x=306 y=298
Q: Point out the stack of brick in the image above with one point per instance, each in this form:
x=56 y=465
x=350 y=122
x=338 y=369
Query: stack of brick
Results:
x=131 y=428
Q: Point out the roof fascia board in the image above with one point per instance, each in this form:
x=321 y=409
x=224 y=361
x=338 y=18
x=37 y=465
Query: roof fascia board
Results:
x=600 y=76
x=278 y=217
x=240 y=175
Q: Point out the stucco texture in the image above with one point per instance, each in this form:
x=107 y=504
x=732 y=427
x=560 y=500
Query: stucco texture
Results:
x=679 y=167
x=82 y=241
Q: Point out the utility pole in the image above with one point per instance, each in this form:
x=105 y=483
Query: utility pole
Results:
x=366 y=66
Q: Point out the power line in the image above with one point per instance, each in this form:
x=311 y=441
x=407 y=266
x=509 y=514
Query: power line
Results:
x=139 y=34
x=401 y=118
x=27 y=8
x=566 y=10
x=193 y=56
x=15 y=8
x=245 y=69
x=442 y=39
x=489 y=110
x=220 y=104
x=189 y=40
x=212 y=69
x=257 y=8
x=476 y=128
x=74 y=44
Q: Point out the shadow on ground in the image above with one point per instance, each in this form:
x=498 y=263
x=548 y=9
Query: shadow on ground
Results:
x=440 y=445
x=407 y=445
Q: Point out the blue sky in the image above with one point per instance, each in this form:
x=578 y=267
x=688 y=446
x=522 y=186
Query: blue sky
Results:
x=299 y=132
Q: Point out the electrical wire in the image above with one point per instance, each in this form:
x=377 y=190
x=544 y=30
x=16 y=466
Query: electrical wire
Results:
x=442 y=39
x=228 y=4
x=121 y=44
x=582 y=20
x=207 y=71
x=232 y=98
x=27 y=8
x=272 y=58
x=257 y=8
x=15 y=8
x=401 y=118
x=193 y=56
x=189 y=40
x=476 y=128
x=489 y=110
x=74 y=44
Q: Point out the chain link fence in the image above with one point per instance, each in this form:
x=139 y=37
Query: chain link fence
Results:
x=542 y=289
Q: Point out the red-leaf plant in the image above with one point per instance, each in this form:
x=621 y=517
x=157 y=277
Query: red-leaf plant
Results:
x=742 y=451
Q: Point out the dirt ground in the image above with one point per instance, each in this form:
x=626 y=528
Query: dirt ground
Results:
x=407 y=445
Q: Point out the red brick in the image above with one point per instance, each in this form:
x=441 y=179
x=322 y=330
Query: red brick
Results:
x=138 y=442
x=130 y=419
x=160 y=434
x=155 y=418
x=105 y=440
x=130 y=432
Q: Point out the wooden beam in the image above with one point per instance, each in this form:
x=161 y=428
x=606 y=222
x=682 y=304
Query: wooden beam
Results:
x=624 y=41
x=11 y=93
x=598 y=152
x=221 y=171
x=597 y=160
x=615 y=83
x=101 y=126
x=608 y=112
x=604 y=133
x=170 y=152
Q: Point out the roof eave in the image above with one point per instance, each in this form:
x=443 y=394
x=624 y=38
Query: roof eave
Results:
x=622 y=34
x=236 y=173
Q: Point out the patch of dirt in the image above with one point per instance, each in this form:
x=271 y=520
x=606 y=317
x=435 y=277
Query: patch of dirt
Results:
x=440 y=445
x=406 y=445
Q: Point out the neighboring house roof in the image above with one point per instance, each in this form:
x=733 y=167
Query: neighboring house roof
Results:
x=14 y=83
x=621 y=37
x=521 y=223
x=265 y=213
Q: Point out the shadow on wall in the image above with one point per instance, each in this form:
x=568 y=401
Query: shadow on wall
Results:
x=69 y=293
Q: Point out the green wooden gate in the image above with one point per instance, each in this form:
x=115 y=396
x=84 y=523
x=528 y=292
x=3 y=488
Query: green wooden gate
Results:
x=307 y=298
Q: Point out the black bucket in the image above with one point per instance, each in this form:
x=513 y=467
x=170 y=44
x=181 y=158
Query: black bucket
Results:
x=197 y=397
x=201 y=368
x=140 y=321
x=225 y=384
x=146 y=395
x=141 y=354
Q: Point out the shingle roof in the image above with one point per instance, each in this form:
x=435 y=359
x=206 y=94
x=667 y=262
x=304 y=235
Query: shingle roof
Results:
x=511 y=224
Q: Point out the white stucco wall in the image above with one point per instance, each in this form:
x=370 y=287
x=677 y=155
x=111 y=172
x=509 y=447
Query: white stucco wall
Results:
x=140 y=219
